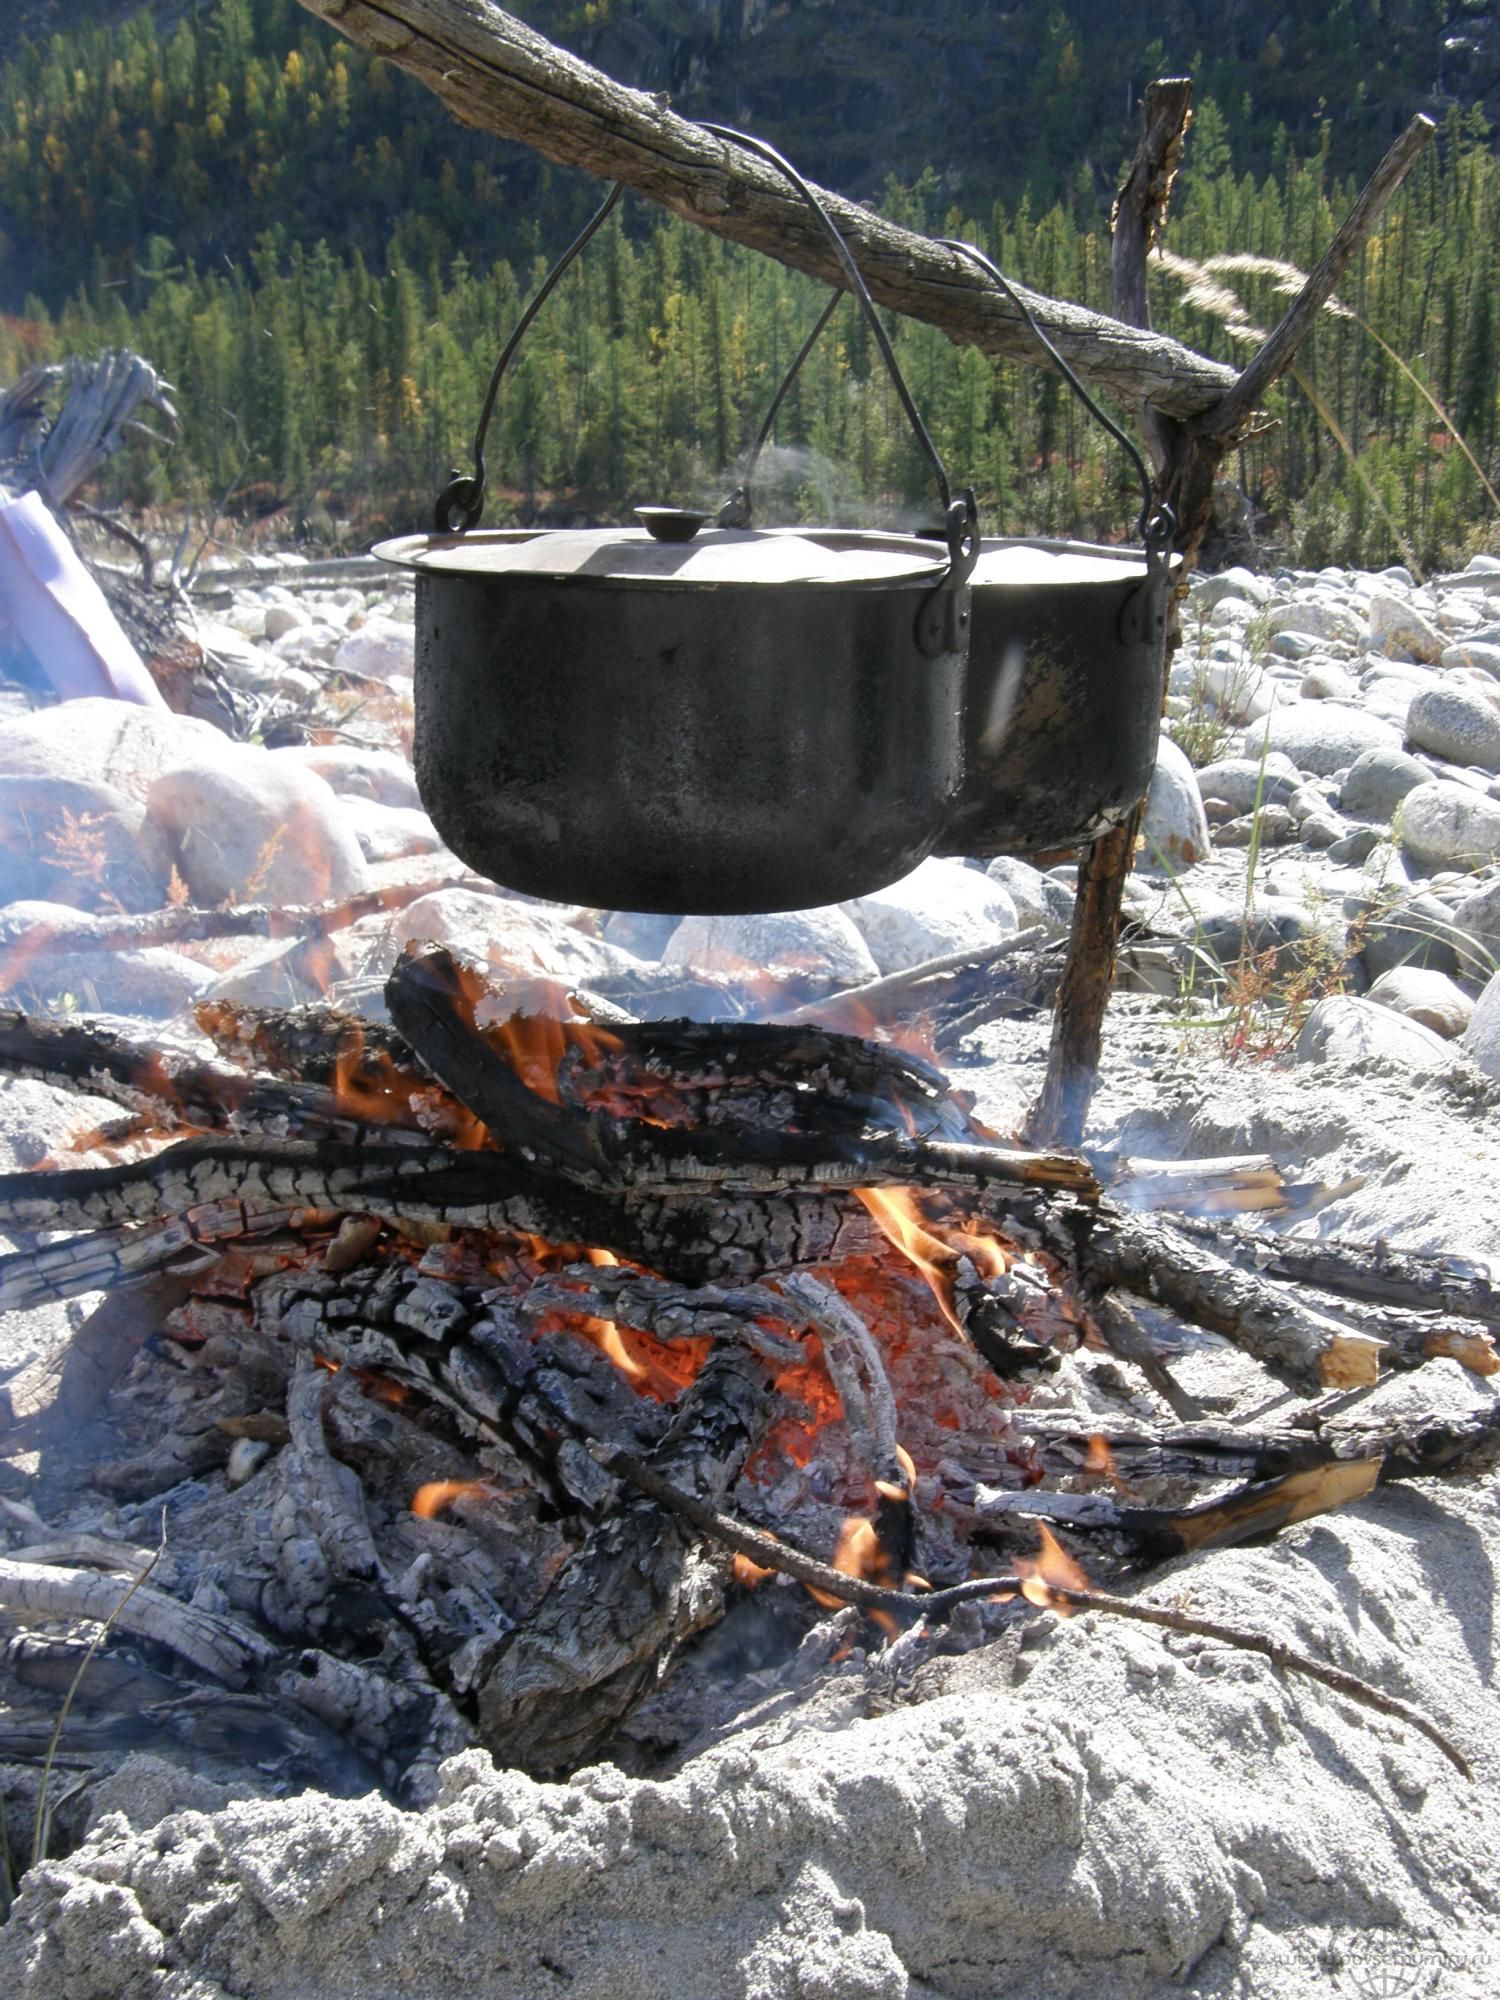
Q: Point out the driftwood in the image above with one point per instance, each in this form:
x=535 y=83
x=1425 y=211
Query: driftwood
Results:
x=102 y=402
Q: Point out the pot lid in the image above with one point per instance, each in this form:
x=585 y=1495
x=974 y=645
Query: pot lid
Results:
x=1019 y=563
x=715 y=556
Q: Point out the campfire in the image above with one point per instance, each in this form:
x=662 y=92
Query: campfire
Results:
x=572 y=1384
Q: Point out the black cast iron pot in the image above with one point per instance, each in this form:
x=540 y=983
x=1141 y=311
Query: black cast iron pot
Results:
x=742 y=721
x=1062 y=696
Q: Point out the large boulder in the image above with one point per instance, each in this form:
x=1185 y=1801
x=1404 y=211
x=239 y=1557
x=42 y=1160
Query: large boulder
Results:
x=941 y=906
x=1037 y=897
x=1343 y=1029
x=249 y=827
x=80 y=841
x=1322 y=736
x=355 y=773
x=1482 y=1036
x=1174 y=828
x=1398 y=627
x=821 y=944
x=1245 y=782
x=1476 y=917
x=1429 y=997
x=1446 y=825
x=506 y=937
x=104 y=742
x=1479 y=655
x=1413 y=928
x=381 y=649
x=1456 y=722
x=1319 y=618
x=1378 y=780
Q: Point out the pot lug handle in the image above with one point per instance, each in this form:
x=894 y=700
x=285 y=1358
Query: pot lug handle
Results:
x=1143 y=616
x=943 y=619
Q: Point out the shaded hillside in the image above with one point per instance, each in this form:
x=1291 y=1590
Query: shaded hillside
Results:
x=200 y=124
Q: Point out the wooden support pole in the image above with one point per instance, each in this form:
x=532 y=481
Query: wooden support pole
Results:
x=1188 y=456
x=1083 y=993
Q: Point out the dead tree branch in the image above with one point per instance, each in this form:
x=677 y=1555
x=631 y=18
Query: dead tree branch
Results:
x=499 y=75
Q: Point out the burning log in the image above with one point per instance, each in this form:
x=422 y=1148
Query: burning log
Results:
x=609 y=1627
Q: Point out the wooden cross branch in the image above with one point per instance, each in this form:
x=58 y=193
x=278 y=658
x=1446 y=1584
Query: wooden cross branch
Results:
x=495 y=73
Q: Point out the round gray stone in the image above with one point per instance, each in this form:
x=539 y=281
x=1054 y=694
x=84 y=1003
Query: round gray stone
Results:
x=1038 y=899
x=1174 y=829
x=1323 y=736
x=1477 y=917
x=940 y=907
x=1418 y=931
x=1377 y=782
x=1482 y=1036
x=1345 y=1029
x=1447 y=824
x=1242 y=781
x=1425 y=996
x=1456 y=722
x=246 y=826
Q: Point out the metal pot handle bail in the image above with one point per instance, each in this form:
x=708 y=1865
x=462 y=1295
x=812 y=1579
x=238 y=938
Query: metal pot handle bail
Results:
x=1144 y=617
x=461 y=501
x=944 y=611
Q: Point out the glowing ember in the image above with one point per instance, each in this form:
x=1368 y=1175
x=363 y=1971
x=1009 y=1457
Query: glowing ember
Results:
x=429 y=1501
x=368 y=1085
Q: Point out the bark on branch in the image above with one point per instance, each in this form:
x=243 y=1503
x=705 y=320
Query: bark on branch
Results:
x=494 y=73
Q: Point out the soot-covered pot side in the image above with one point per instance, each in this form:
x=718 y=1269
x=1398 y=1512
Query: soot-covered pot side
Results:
x=659 y=745
x=1063 y=695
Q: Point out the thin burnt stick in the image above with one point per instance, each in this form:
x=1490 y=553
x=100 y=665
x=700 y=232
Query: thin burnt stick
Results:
x=1117 y=1316
x=883 y=997
x=193 y=926
x=667 y=1311
x=1364 y=1271
x=858 y=1375
x=605 y=1634
x=768 y=1551
x=1288 y=1658
x=71 y=1383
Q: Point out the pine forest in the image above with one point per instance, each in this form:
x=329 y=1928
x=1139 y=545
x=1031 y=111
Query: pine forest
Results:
x=325 y=267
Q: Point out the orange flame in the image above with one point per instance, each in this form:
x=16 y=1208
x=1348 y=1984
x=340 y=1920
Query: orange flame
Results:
x=899 y=1216
x=429 y=1501
x=368 y=1085
x=750 y=1574
x=1051 y=1566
